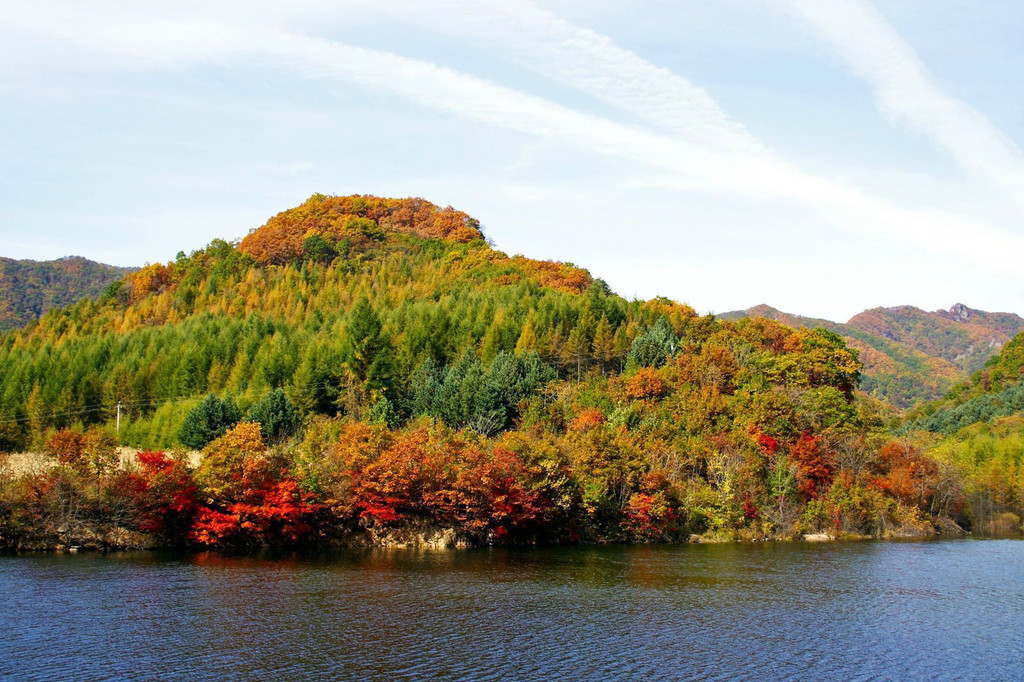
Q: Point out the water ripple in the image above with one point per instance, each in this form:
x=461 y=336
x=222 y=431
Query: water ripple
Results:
x=858 y=611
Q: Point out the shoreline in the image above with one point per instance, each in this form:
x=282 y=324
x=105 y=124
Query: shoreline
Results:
x=449 y=541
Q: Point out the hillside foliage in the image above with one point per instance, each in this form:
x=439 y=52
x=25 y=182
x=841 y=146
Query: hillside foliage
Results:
x=362 y=365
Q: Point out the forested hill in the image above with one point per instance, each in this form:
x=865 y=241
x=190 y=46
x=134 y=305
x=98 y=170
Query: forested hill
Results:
x=910 y=355
x=368 y=365
x=29 y=288
x=351 y=304
x=274 y=311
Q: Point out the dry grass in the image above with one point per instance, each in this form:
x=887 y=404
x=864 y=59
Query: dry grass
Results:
x=18 y=464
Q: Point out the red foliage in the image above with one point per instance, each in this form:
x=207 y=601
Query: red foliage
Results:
x=650 y=516
x=514 y=507
x=768 y=445
x=903 y=472
x=587 y=419
x=441 y=476
x=262 y=510
x=814 y=470
x=389 y=488
x=168 y=496
x=279 y=513
x=750 y=510
x=212 y=527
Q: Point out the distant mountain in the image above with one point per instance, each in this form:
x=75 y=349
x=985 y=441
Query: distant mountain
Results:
x=993 y=392
x=29 y=288
x=911 y=355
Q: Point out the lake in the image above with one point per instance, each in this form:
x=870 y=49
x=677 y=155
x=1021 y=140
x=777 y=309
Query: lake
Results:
x=948 y=609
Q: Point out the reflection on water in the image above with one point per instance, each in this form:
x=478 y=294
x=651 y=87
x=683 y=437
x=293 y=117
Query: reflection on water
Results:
x=950 y=609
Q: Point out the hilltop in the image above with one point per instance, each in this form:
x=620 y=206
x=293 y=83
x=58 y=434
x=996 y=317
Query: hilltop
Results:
x=912 y=356
x=29 y=288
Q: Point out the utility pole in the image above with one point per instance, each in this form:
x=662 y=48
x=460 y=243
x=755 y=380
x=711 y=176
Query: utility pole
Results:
x=118 y=417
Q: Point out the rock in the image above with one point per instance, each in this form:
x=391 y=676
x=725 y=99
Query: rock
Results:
x=426 y=535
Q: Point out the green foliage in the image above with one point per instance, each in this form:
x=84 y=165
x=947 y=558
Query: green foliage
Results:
x=827 y=408
x=911 y=355
x=983 y=408
x=367 y=350
x=996 y=391
x=276 y=416
x=654 y=347
x=317 y=249
x=382 y=413
x=209 y=420
x=467 y=394
x=441 y=380
x=988 y=460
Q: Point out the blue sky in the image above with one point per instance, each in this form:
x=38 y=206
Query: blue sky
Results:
x=823 y=156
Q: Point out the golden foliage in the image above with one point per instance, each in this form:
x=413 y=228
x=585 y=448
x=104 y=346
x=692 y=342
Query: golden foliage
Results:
x=359 y=219
x=245 y=438
x=646 y=385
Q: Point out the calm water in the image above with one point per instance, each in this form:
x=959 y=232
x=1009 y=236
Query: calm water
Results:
x=922 y=610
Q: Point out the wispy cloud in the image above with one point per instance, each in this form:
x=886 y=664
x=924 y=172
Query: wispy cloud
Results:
x=728 y=160
x=906 y=92
x=588 y=61
x=593 y=63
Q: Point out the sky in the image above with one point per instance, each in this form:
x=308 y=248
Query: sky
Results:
x=821 y=156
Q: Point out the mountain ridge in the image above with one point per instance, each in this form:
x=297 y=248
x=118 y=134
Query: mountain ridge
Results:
x=911 y=355
x=29 y=288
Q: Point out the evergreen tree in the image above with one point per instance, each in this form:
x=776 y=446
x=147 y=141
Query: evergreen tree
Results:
x=383 y=412
x=208 y=420
x=315 y=248
x=654 y=346
x=367 y=348
x=276 y=416
x=424 y=387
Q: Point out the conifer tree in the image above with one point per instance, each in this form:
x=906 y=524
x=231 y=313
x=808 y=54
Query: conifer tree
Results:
x=603 y=345
x=210 y=419
x=654 y=346
x=527 y=337
x=276 y=416
x=367 y=348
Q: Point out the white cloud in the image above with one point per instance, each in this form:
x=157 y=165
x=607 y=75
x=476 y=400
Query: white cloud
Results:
x=905 y=91
x=728 y=160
